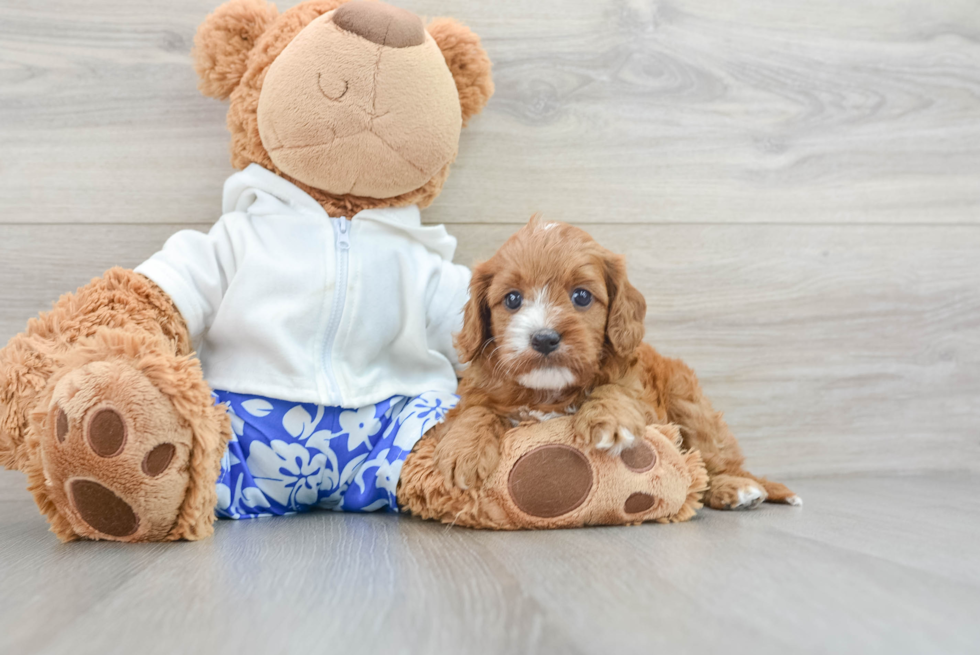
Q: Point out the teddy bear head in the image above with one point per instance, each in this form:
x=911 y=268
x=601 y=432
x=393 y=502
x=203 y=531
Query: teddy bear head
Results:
x=358 y=103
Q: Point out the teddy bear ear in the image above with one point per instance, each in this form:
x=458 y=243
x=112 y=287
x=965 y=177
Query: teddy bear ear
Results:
x=467 y=61
x=223 y=41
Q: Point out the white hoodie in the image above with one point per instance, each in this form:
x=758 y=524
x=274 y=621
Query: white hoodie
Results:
x=285 y=302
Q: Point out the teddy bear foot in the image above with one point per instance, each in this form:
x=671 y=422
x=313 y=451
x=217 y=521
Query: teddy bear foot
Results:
x=556 y=484
x=115 y=454
x=546 y=480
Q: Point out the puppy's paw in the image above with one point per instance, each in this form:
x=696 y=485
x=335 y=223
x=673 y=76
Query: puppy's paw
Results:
x=611 y=420
x=615 y=439
x=607 y=433
x=734 y=493
x=610 y=432
x=465 y=464
x=780 y=493
x=749 y=497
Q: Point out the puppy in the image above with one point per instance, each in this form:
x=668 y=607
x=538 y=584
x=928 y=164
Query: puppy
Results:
x=553 y=327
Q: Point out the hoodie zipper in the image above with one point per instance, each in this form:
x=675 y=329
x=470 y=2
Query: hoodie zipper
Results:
x=341 y=231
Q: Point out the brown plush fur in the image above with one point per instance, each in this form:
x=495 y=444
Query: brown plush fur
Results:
x=467 y=61
x=223 y=42
x=612 y=383
x=119 y=299
x=116 y=331
x=465 y=57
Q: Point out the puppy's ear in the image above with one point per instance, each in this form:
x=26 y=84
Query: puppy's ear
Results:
x=223 y=41
x=467 y=61
x=471 y=340
x=627 y=308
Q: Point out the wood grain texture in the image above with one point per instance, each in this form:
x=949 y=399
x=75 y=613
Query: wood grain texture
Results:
x=703 y=111
x=831 y=349
x=869 y=564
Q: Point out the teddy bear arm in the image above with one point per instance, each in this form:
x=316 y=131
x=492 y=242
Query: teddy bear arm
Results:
x=120 y=299
x=105 y=410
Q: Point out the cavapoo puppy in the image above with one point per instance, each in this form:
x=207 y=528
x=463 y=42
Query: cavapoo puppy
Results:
x=553 y=327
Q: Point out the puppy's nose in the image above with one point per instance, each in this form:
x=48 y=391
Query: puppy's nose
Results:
x=544 y=341
x=380 y=23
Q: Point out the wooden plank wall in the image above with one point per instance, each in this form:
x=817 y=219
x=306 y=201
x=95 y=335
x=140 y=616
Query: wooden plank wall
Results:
x=796 y=184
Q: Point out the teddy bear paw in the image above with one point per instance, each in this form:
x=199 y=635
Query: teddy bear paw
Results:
x=115 y=454
x=559 y=485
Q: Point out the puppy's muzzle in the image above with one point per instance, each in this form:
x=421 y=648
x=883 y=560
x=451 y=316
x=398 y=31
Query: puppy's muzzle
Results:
x=545 y=341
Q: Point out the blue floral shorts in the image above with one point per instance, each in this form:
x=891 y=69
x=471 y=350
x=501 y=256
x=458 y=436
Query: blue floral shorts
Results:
x=286 y=457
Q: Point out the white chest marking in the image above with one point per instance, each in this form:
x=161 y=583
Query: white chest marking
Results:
x=551 y=378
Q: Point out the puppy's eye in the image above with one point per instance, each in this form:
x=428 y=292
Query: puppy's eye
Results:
x=581 y=298
x=513 y=300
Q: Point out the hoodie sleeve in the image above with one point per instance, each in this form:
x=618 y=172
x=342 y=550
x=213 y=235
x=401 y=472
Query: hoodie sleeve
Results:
x=194 y=269
x=445 y=317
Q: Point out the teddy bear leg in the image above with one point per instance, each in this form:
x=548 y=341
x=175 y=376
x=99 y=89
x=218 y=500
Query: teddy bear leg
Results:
x=546 y=479
x=128 y=443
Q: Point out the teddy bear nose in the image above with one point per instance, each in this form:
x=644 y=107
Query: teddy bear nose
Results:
x=380 y=23
x=545 y=341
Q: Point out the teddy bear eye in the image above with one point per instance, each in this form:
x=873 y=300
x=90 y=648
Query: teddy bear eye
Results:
x=513 y=300
x=581 y=298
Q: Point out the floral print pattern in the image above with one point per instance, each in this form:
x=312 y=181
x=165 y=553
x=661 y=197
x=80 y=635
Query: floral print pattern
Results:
x=287 y=457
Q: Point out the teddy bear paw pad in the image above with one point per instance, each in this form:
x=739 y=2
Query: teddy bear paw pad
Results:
x=550 y=481
x=638 y=502
x=100 y=463
x=106 y=433
x=546 y=480
x=640 y=458
x=102 y=509
x=158 y=459
x=61 y=426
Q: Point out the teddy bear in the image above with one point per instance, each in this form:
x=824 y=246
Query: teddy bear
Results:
x=297 y=355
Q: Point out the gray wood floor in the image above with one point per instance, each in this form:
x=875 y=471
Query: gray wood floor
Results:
x=879 y=563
